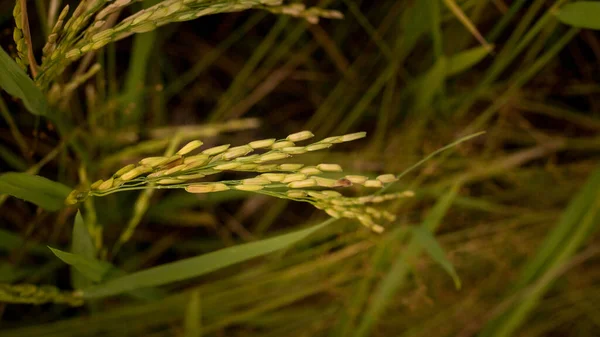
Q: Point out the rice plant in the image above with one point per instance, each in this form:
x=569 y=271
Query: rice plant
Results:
x=155 y=171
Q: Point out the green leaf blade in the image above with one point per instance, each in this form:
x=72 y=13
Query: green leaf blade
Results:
x=428 y=242
x=465 y=60
x=430 y=84
x=18 y=84
x=41 y=191
x=582 y=14
x=197 y=266
x=92 y=269
x=81 y=244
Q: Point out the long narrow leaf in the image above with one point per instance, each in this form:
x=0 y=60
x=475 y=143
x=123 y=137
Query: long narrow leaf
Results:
x=582 y=14
x=433 y=248
x=18 y=84
x=91 y=268
x=465 y=60
x=81 y=244
x=43 y=192
x=197 y=266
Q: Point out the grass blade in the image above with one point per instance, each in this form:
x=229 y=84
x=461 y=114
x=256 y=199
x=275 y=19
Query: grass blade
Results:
x=582 y=14
x=81 y=244
x=18 y=84
x=465 y=60
x=193 y=316
x=197 y=266
x=433 y=248
x=43 y=192
x=91 y=268
x=431 y=83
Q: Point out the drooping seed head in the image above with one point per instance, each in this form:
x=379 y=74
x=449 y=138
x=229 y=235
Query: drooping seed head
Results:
x=96 y=184
x=227 y=166
x=333 y=194
x=237 y=151
x=294 y=150
x=154 y=161
x=273 y=177
x=349 y=214
x=373 y=183
x=247 y=159
x=296 y=194
x=353 y=136
x=106 y=185
x=170 y=181
x=343 y=182
x=124 y=170
x=388 y=216
x=266 y=168
x=282 y=144
x=365 y=199
x=317 y=146
x=302 y=183
x=136 y=172
x=293 y=177
x=206 y=188
x=156 y=174
x=199 y=158
x=373 y=211
x=175 y=169
x=333 y=213
x=407 y=194
x=339 y=202
x=76 y=196
x=310 y=171
x=329 y=167
x=357 y=179
x=272 y=156
x=259 y=144
x=333 y=140
x=216 y=150
x=195 y=164
x=290 y=167
x=191 y=176
x=387 y=178
x=377 y=199
x=256 y=181
x=247 y=167
x=326 y=182
x=249 y=187
x=300 y=136
x=173 y=160
x=317 y=195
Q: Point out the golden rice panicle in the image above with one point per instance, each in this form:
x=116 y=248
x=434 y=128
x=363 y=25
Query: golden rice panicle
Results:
x=206 y=187
x=237 y=151
x=272 y=156
x=260 y=144
x=189 y=147
x=302 y=183
x=124 y=170
x=329 y=167
x=249 y=188
x=216 y=150
x=387 y=178
x=282 y=144
x=300 y=136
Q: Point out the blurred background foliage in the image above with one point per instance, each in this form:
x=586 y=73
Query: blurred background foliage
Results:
x=514 y=212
